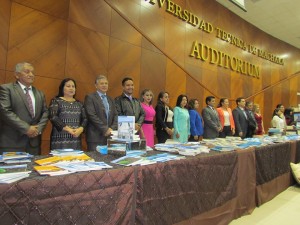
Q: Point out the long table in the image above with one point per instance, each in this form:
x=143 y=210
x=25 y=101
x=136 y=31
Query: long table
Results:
x=212 y=188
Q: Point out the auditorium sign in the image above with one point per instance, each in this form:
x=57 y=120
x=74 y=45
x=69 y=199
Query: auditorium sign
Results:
x=208 y=54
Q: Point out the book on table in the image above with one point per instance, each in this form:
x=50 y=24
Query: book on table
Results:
x=55 y=159
x=126 y=160
x=4 y=170
x=82 y=166
x=65 y=152
x=14 y=161
x=15 y=155
x=12 y=173
x=51 y=170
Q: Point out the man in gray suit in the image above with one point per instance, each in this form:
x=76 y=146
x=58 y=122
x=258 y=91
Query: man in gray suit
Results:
x=212 y=125
x=240 y=117
x=101 y=113
x=23 y=113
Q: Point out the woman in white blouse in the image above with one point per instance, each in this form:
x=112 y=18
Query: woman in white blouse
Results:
x=277 y=121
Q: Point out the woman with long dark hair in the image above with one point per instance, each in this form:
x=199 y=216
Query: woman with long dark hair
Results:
x=164 y=118
x=277 y=121
x=181 y=120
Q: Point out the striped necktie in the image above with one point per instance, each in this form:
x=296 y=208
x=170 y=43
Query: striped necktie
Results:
x=29 y=101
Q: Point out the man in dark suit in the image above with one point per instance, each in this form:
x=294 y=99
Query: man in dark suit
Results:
x=252 y=124
x=101 y=113
x=23 y=113
x=127 y=105
x=212 y=124
x=240 y=118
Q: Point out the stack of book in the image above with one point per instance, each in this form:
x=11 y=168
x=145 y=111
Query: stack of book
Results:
x=132 y=160
x=12 y=173
x=66 y=152
x=67 y=161
x=82 y=166
x=187 y=149
x=61 y=168
x=16 y=157
x=65 y=158
x=50 y=170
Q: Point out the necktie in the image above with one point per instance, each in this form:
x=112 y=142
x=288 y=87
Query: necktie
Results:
x=106 y=105
x=214 y=110
x=29 y=101
x=245 y=114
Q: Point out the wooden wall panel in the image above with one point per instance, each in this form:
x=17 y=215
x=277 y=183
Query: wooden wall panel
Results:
x=286 y=93
x=293 y=89
x=9 y=76
x=129 y=8
x=38 y=44
x=269 y=106
x=175 y=42
x=191 y=36
x=87 y=54
x=175 y=82
x=4 y=24
x=94 y=15
x=52 y=7
x=2 y=76
x=153 y=65
x=149 y=45
x=124 y=60
x=193 y=90
x=210 y=79
x=155 y=31
x=121 y=29
x=224 y=84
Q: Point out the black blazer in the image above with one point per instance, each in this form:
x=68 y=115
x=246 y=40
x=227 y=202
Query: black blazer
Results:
x=161 y=116
x=240 y=121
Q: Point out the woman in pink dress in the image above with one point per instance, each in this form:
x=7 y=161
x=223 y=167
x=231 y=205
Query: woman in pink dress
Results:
x=147 y=127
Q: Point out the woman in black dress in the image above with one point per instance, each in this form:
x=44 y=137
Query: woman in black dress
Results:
x=67 y=116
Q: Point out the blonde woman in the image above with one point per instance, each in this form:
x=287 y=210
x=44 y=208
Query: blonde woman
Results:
x=259 y=120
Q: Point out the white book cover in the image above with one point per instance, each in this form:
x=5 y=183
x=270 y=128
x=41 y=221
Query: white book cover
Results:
x=126 y=125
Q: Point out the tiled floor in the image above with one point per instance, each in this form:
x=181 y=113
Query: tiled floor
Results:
x=283 y=209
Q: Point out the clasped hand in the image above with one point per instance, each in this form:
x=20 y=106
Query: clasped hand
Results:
x=32 y=131
x=75 y=132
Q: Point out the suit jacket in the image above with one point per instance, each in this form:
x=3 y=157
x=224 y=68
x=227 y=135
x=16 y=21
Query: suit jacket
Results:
x=15 y=118
x=240 y=121
x=98 y=123
x=125 y=107
x=211 y=123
